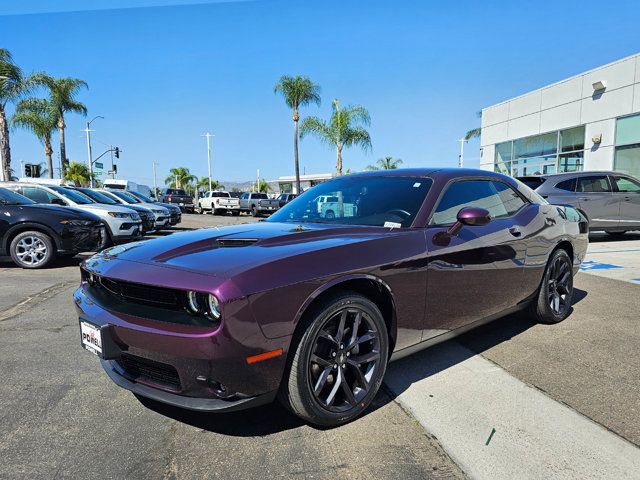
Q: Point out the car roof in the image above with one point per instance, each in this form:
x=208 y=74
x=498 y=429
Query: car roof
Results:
x=428 y=172
x=576 y=174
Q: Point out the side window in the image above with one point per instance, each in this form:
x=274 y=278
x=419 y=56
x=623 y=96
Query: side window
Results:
x=37 y=194
x=497 y=197
x=593 y=184
x=568 y=185
x=627 y=185
x=244 y=196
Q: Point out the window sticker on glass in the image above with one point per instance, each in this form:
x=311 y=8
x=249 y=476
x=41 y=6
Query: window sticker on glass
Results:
x=392 y=225
x=417 y=184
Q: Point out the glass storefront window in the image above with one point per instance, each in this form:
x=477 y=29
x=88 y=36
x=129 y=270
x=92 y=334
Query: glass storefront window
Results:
x=571 y=162
x=535 y=146
x=628 y=130
x=572 y=139
x=627 y=160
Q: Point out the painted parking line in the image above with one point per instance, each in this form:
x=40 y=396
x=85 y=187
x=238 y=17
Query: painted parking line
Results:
x=496 y=427
x=592 y=265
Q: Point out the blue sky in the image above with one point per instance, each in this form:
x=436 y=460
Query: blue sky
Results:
x=167 y=71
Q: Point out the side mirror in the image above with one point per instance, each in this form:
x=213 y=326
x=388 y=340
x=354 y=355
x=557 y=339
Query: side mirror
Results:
x=470 y=216
x=58 y=201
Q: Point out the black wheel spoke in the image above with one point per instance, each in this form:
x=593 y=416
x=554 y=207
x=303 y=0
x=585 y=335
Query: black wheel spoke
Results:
x=348 y=393
x=360 y=378
x=354 y=330
x=365 y=358
x=327 y=336
x=322 y=381
x=320 y=361
x=341 y=324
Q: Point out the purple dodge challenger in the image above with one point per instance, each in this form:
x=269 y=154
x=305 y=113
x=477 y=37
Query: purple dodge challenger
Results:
x=311 y=304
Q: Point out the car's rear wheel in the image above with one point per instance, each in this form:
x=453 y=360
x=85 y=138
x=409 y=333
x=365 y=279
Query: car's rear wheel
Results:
x=553 y=302
x=32 y=249
x=254 y=211
x=338 y=362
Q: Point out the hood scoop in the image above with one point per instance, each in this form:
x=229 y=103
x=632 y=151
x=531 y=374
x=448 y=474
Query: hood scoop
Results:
x=235 y=242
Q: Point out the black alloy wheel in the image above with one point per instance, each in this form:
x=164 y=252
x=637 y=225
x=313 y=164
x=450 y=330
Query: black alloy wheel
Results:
x=553 y=303
x=339 y=362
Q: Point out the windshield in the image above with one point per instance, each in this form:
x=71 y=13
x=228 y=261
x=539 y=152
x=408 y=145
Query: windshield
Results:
x=359 y=200
x=7 y=197
x=98 y=197
x=77 y=197
x=126 y=197
x=176 y=191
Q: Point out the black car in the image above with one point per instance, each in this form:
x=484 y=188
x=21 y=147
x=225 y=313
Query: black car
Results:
x=285 y=198
x=174 y=210
x=146 y=215
x=34 y=234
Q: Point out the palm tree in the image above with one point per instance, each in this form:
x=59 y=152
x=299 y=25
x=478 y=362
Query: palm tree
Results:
x=261 y=186
x=341 y=131
x=12 y=86
x=38 y=116
x=386 y=163
x=203 y=184
x=78 y=173
x=474 y=133
x=180 y=178
x=62 y=95
x=297 y=91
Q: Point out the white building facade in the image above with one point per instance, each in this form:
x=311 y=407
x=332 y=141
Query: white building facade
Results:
x=588 y=122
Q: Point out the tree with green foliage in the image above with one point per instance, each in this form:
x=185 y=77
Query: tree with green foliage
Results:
x=78 y=173
x=13 y=85
x=386 y=163
x=344 y=129
x=475 y=132
x=297 y=92
x=261 y=185
x=203 y=184
x=38 y=116
x=62 y=96
x=180 y=177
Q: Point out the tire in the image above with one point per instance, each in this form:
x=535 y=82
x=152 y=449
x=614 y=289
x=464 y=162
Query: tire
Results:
x=254 y=211
x=200 y=210
x=553 y=300
x=329 y=214
x=615 y=234
x=332 y=367
x=32 y=249
x=235 y=213
x=108 y=239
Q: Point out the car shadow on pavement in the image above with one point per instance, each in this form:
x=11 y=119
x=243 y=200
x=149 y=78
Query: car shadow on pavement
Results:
x=601 y=237
x=438 y=358
x=61 y=262
x=274 y=418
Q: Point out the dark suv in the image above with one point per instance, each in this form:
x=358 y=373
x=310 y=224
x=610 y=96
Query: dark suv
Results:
x=35 y=234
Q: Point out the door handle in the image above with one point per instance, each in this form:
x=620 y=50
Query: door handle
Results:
x=515 y=231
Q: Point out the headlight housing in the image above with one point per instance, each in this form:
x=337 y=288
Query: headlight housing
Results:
x=204 y=304
x=77 y=223
x=122 y=215
x=159 y=212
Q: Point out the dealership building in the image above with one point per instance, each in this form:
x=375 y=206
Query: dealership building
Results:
x=587 y=122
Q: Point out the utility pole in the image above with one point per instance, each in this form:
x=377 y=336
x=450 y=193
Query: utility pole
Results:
x=208 y=135
x=113 y=174
x=88 y=131
x=155 y=186
x=461 y=157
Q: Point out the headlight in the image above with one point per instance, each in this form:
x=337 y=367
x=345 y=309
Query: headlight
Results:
x=77 y=223
x=204 y=304
x=159 y=212
x=120 y=215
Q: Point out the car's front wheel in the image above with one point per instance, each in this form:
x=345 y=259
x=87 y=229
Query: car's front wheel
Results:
x=553 y=302
x=339 y=361
x=32 y=249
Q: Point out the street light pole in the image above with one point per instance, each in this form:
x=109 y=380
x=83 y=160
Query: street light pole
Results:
x=461 y=157
x=155 y=186
x=208 y=135
x=88 y=130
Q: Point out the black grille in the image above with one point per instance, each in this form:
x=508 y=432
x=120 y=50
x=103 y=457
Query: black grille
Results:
x=145 y=294
x=150 y=370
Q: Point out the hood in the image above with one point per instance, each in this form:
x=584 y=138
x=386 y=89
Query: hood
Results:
x=230 y=250
x=67 y=212
x=102 y=210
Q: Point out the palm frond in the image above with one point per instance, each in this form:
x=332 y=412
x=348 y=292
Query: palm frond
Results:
x=357 y=136
x=298 y=91
x=318 y=128
x=475 y=133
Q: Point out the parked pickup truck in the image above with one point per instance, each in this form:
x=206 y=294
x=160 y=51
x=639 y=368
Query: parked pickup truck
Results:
x=178 y=197
x=258 y=203
x=218 y=202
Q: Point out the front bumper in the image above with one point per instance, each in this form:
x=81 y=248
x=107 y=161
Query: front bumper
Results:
x=127 y=231
x=82 y=239
x=162 y=221
x=190 y=361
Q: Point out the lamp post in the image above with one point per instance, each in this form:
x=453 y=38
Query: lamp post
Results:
x=461 y=157
x=89 y=148
x=209 y=135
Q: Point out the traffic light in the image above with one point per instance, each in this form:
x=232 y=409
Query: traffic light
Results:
x=115 y=169
x=27 y=170
x=116 y=152
x=32 y=171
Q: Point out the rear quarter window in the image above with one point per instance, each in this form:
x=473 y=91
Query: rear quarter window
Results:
x=567 y=185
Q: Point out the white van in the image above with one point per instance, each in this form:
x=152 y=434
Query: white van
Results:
x=127 y=185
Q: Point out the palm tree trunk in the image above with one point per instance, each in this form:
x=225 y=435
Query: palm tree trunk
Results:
x=295 y=150
x=339 y=159
x=48 y=151
x=63 y=147
x=5 y=149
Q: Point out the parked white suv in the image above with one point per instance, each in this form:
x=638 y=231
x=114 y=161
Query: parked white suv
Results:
x=162 y=214
x=122 y=224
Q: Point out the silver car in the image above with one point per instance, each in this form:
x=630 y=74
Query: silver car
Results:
x=610 y=200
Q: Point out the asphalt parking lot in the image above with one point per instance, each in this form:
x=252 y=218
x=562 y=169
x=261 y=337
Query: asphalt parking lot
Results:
x=62 y=418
